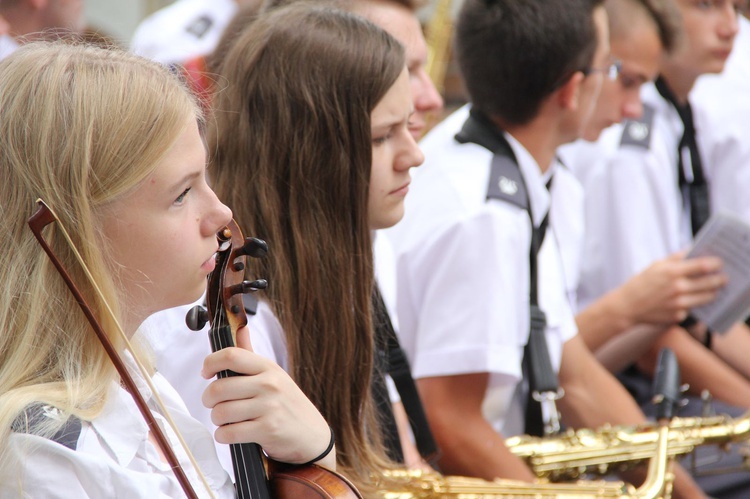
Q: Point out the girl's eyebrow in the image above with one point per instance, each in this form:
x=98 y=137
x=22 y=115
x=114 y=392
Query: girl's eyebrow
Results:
x=186 y=179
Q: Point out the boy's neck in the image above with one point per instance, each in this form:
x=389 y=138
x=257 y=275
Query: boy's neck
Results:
x=679 y=80
x=540 y=137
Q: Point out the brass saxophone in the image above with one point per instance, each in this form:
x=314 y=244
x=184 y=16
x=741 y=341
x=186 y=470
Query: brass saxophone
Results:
x=404 y=484
x=616 y=448
x=439 y=31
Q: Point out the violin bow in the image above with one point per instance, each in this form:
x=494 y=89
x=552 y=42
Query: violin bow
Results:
x=45 y=216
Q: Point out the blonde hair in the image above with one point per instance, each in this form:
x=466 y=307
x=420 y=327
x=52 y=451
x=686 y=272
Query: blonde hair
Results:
x=80 y=126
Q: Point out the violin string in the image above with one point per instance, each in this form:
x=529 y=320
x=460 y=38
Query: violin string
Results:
x=141 y=368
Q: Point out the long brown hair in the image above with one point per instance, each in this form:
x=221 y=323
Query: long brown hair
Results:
x=291 y=155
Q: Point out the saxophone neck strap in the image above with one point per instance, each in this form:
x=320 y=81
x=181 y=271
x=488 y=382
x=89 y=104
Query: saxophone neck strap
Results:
x=507 y=184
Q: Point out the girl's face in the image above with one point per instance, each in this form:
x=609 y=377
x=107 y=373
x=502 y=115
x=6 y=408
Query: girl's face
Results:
x=162 y=235
x=394 y=152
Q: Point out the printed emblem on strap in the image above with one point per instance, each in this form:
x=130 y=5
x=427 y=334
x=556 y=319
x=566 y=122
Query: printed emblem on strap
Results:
x=34 y=417
x=506 y=183
x=200 y=26
x=638 y=132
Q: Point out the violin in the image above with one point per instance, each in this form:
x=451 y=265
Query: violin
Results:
x=256 y=475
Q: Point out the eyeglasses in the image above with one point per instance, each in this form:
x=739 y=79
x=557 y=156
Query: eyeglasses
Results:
x=611 y=72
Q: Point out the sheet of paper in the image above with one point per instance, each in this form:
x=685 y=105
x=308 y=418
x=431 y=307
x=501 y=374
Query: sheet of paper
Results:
x=726 y=236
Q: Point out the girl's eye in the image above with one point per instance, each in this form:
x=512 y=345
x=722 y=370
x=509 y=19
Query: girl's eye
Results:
x=380 y=140
x=181 y=197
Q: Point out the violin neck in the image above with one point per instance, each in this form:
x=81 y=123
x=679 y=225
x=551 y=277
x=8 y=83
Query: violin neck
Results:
x=249 y=472
x=247 y=459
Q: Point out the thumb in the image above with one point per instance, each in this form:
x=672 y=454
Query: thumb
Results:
x=678 y=255
x=243 y=338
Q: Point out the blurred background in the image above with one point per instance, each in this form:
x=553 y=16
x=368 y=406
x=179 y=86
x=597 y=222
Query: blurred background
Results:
x=116 y=21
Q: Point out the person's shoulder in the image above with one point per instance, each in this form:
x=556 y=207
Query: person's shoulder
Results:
x=184 y=29
x=638 y=132
x=172 y=17
x=449 y=161
x=445 y=130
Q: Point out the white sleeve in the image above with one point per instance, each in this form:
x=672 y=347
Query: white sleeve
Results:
x=267 y=336
x=460 y=293
x=633 y=217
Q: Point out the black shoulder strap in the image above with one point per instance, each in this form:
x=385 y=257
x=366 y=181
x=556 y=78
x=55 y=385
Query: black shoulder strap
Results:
x=34 y=416
x=400 y=371
x=507 y=184
x=637 y=132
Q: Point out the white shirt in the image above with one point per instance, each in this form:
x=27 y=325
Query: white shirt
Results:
x=725 y=145
x=724 y=100
x=7 y=46
x=463 y=270
x=179 y=352
x=113 y=457
x=635 y=211
x=183 y=30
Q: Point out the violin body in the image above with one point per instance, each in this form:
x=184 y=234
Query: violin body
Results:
x=309 y=482
x=256 y=476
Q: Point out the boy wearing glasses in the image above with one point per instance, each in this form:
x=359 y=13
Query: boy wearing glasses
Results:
x=491 y=189
x=641 y=35
x=651 y=190
x=642 y=32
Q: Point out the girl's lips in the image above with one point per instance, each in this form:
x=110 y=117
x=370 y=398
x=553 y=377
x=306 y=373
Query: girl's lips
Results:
x=210 y=264
x=722 y=53
x=403 y=190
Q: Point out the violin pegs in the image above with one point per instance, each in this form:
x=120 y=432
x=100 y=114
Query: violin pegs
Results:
x=256 y=285
x=196 y=318
x=249 y=286
x=254 y=247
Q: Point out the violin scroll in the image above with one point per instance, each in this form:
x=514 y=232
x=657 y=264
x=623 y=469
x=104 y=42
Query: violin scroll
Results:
x=226 y=284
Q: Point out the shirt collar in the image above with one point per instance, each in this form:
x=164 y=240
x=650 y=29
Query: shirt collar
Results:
x=121 y=426
x=536 y=182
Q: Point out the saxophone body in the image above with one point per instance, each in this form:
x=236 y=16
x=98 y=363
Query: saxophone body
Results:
x=411 y=484
x=617 y=448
